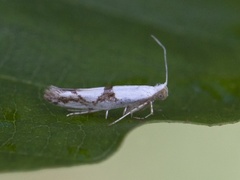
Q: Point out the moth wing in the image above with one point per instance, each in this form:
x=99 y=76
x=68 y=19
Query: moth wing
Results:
x=83 y=89
x=137 y=94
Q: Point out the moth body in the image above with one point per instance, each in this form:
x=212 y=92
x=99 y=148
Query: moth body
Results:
x=130 y=97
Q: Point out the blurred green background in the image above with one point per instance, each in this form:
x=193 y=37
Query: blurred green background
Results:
x=161 y=151
x=97 y=43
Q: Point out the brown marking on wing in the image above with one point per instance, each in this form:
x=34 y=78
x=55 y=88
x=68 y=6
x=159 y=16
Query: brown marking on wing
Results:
x=108 y=88
x=107 y=95
x=52 y=95
x=73 y=91
x=78 y=99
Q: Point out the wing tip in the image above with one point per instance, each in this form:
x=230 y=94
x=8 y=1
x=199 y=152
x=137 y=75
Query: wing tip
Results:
x=51 y=94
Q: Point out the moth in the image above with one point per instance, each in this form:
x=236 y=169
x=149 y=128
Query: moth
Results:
x=130 y=97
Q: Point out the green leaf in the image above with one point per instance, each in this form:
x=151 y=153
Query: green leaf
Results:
x=96 y=43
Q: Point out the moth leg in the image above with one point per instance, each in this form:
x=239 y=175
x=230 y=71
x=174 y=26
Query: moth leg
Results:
x=74 y=110
x=106 y=115
x=130 y=112
x=124 y=111
x=81 y=112
x=128 y=109
x=151 y=112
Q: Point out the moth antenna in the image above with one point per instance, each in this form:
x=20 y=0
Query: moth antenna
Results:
x=165 y=57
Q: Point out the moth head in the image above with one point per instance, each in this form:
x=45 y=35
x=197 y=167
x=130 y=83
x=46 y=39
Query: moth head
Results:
x=162 y=94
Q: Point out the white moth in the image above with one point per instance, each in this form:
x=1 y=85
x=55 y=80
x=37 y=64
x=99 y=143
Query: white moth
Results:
x=88 y=100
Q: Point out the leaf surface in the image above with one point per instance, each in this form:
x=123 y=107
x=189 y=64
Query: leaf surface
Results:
x=90 y=43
